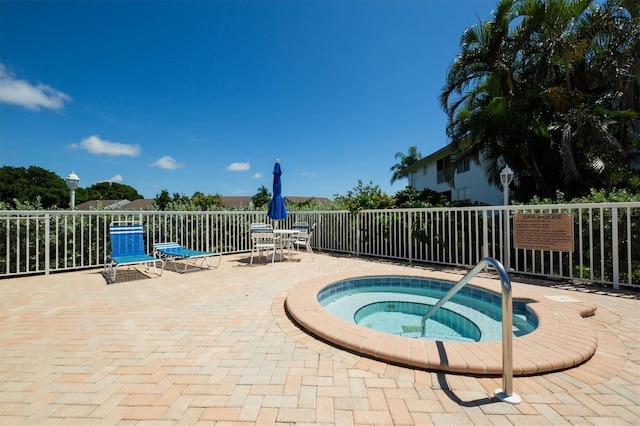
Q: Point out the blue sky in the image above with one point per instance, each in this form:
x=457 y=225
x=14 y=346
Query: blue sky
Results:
x=205 y=95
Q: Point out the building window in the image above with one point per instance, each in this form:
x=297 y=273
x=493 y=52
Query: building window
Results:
x=443 y=165
x=464 y=166
x=464 y=194
x=424 y=171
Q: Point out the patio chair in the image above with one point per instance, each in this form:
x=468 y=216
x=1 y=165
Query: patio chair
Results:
x=261 y=227
x=303 y=239
x=127 y=248
x=173 y=251
x=262 y=241
x=302 y=228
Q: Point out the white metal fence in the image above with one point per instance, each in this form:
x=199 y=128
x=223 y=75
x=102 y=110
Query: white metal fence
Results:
x=606 y=237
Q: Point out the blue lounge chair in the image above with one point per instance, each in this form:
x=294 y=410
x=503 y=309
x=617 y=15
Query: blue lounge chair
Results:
x=127 y=248
x=173 y=251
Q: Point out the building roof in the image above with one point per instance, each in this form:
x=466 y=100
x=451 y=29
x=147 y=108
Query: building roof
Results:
x=232 y=202
x=314 y=200
x=442 y=152
x=229 y=202
x=141 y=204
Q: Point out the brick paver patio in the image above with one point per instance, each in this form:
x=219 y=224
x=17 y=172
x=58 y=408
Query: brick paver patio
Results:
x=217 y=347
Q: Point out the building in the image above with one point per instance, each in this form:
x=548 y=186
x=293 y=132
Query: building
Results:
x=470 y=183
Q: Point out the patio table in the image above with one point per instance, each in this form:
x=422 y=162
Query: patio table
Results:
x=283 y=233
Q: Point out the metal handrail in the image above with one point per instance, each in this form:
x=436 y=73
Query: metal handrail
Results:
x=506 y=394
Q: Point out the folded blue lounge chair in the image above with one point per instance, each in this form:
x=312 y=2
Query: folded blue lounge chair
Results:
x=173 y=251
x=127 y=248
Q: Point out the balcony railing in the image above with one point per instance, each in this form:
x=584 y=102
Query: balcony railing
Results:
x=606 y=237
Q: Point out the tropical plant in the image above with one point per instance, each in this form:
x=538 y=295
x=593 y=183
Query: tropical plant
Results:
x=24 y=205
x=364 y=197
x=207 y=202
x=262 y=197
x=546 y=87
x=412 y=198
x=310 y=204
x=400 y=169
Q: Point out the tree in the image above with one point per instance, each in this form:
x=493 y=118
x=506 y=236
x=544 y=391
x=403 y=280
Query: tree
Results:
x=406 y=160
x=162 y=200
x=207 y=202
x=364 y=197
x=107 y=191
x=25 y=185
x=262 y=197
x=20 y=185
x=176 y=202
x=541 y=87
x=411 y=198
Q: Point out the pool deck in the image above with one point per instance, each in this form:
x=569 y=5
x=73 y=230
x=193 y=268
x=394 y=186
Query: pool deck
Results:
x=216 y=347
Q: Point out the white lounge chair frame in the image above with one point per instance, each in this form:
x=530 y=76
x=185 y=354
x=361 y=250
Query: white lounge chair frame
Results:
x=172 y=251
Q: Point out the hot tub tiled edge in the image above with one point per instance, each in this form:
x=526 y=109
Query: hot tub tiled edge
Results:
x=562 y=340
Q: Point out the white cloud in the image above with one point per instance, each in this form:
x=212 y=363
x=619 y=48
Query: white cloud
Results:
x=238 y=167
x=257 y=175
x=308 y=174
x=117 y=178
x=95 y=145
x=240 y=191
x=167 y=163
x=25 y=94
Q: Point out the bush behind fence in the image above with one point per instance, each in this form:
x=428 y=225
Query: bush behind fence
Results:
x=606 y=237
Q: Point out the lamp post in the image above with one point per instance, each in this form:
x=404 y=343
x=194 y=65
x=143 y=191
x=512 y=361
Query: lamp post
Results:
x=506 y=176
x=72 y=183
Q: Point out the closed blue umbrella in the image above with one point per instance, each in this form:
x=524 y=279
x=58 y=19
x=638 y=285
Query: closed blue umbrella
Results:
x=277 y=210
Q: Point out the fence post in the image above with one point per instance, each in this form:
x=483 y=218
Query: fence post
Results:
x=208 y=236
x=615 y=255
x=47 y=243
x=485 y=234
x=507 y=239
x=357 y=234
x=410 y=240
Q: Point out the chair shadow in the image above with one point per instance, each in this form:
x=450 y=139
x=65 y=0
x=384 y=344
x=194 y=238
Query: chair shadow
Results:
x=190 y=268
x=125 y=275
x=265 y=260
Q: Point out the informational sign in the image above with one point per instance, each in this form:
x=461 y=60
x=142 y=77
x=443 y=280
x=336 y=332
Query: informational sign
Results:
x=543 y=231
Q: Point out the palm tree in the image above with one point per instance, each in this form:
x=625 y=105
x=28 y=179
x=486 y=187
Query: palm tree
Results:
x=582 y=63
x=537 y=87
x=262 y=197
x=406 y=160
x=485 y=100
